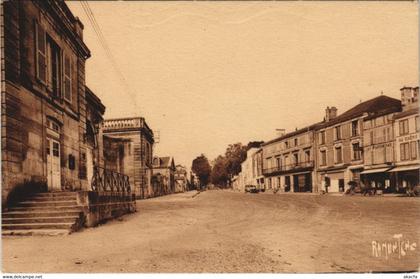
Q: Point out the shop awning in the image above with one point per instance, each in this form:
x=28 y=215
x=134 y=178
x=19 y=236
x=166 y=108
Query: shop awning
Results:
x=375 y=170
x=404 y=168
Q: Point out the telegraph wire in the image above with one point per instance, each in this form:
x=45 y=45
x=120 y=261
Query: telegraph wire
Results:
x=102 y=41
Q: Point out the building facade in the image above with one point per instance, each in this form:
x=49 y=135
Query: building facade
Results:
x=49 y=118
x=339 y=143
x=163 y=178
x=135 y=140
x=257 y=168
x=288 y=163
x=379 y=149
x=181 y=181
x=407 y=141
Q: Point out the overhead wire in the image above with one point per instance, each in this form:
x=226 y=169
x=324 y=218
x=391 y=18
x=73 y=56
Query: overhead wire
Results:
x=103 y=43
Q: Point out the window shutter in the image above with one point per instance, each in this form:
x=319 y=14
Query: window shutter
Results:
x=67 y=78
x=41 y=53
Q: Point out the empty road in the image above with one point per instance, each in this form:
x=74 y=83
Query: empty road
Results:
x=224 y=231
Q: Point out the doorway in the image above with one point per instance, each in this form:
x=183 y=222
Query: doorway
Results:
x=53 y=165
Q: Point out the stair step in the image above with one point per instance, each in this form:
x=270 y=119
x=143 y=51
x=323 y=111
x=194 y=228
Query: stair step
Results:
x=57 y=198
x=25 y=214
x=35 y=232
x=45 y=203
x=33 y=226
x=55 y=194
x=47 y=208
x=40 y=220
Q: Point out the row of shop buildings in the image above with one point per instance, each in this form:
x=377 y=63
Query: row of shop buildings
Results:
x=54 y=136
x=376 y=144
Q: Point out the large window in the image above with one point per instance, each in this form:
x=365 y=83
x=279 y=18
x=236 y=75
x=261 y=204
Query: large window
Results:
x=338 y=155
x=278 y=160
x=296 y=158
x=337 y=131
x=322 y=137
x=404 y=151
x=357 y=151
x=404 y=127
x=417 y=123
x=413 y=148
x=355 y=128
x=307 y=155
x=323 y=158
x=53 y=69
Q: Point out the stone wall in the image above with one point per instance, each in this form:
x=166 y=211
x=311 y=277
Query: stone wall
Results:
x=101 y=206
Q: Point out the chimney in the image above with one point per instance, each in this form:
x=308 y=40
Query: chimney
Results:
x=409 y=97
x=330 y=113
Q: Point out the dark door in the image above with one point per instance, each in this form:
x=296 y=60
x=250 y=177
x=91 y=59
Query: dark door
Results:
x=341 y=185
x=295 y=183
x=287 y=184
x=308 y=182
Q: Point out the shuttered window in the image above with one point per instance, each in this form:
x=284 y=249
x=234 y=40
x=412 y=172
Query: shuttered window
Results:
x=404 y=151
x=413 y=148
x=67 y=78
x=41 y=53
x=404 y=127
x=323 y=158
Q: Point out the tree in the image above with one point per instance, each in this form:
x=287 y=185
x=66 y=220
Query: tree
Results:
x=219 y=175
x=202 y=168
x=235 y=154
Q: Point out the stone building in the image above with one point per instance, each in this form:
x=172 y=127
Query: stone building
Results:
x=339 y=142
x=289 y=161
x=407 y=140
x=251 y=171
x=181 y=181
x=49 y=119
x=163 y=179
x=257 y=168
x=134 y=140
x=379 y=149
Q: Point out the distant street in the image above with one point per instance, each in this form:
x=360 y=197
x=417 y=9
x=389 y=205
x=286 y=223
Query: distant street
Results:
x=224 y=231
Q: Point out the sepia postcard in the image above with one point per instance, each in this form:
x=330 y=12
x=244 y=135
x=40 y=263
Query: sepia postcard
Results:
x=210 y=138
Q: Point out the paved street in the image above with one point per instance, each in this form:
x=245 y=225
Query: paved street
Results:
x=223 y=231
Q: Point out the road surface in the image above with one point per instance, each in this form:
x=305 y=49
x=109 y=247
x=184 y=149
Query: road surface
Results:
x=224 y=231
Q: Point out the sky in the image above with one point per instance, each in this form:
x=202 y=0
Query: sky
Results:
x=207 y=74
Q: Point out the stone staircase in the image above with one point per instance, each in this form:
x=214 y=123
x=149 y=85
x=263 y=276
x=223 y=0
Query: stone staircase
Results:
x=54 y=213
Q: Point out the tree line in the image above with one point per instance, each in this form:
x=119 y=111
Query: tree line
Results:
x=224 y=167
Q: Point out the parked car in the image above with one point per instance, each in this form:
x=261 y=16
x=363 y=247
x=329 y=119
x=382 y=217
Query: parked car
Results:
x=251 y=189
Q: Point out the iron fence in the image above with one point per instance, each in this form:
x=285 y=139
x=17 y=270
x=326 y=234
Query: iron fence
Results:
x=108 y=180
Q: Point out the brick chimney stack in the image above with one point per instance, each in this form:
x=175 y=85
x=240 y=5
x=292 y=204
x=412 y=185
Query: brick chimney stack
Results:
x=409 y=97
x=330 y=113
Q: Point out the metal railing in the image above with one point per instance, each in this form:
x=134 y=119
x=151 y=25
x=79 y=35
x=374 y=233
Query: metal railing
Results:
x=108 y=180
x=289 y=167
